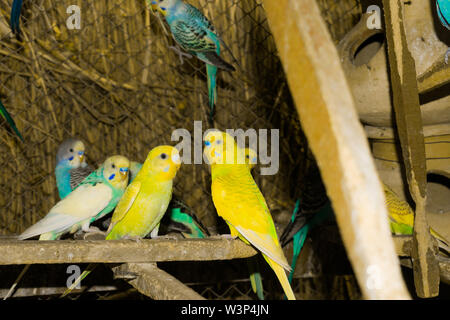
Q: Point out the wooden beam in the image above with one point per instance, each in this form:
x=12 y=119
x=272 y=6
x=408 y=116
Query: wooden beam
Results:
x=328 y=117
x=117 y=251
x=437 y=76
x=156 y=283
x=409 y=126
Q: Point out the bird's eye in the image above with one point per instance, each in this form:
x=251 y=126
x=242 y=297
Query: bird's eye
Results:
x=247 y=156
x=71 y=150
x=113 y=166
x=163 y=156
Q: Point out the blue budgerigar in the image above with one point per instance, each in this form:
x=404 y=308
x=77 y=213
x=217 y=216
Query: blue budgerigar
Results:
x=443 y=11
x=71 y=167
x=196 y=35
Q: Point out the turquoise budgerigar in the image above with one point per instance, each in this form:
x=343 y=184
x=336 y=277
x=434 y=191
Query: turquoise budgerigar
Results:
x=5 y=114
x=443 y=11
x=95 y=197
x=312 y=209
x=195 y=34
x=71 y=167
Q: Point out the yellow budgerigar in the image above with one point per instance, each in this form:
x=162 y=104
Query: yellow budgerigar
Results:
x=144 y=202
x=241 y=204
x=146 y=199
x=401 y=218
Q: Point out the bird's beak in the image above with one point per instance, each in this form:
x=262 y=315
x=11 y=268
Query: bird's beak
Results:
x=124 y=173
x=81 y=156
x=176 y=160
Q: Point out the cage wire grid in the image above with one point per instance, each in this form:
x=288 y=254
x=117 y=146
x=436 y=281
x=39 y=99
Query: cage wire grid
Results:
x=117 y=86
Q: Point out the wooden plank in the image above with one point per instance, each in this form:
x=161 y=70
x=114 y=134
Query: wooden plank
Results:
x=117 y=251
x=410 y=130
x=437 y=76
x=156 y=283
x=328 y=117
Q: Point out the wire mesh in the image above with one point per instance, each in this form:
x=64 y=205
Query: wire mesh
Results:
x=116 y=85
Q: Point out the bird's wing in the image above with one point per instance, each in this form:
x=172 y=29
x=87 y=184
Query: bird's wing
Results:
x=242 y=205
x=78 y=175
x=125 y=204
x=83 y=203
x=192 y=37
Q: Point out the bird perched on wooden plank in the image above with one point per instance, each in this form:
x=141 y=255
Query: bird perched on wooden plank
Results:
x=95 y=197
x=196 y=35
x=144 y=202
x=241 y=204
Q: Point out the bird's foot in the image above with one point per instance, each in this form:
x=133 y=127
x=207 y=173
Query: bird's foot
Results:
x=447 y=55
x=180 y=53
x=93 y=229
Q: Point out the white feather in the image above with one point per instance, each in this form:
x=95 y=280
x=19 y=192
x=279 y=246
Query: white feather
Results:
x=84 y=202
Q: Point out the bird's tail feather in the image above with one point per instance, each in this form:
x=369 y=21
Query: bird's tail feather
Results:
x=255 y=277
x=299 y=241
x=85 y=273
x=10 y=120
x=15 y=16
x=281 y=275
x=212 y=88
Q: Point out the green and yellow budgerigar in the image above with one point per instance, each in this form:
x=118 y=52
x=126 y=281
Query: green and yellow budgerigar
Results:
x=401 y=218
x=241 y=204
x=95 y=197
x=145 y=200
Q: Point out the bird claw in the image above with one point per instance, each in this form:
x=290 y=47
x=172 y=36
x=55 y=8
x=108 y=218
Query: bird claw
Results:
x=180 y=53
x=133 y=238
x=225 y=236
x=447 y=55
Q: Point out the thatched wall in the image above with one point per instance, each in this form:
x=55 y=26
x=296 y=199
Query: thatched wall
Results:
x=115 y=84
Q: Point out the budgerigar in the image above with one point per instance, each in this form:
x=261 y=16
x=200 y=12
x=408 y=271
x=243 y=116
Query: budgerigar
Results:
x=241 y=204
x=195 y=34
x=71 y=167
x=443 y=11
x=145 y=200
x=5 y=114
x=95 y=197
x=401 y=218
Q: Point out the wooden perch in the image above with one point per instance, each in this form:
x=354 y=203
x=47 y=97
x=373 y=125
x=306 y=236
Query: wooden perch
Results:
x=156 y=283
x=410 y=130
x=117 y=251
x=328 y=117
